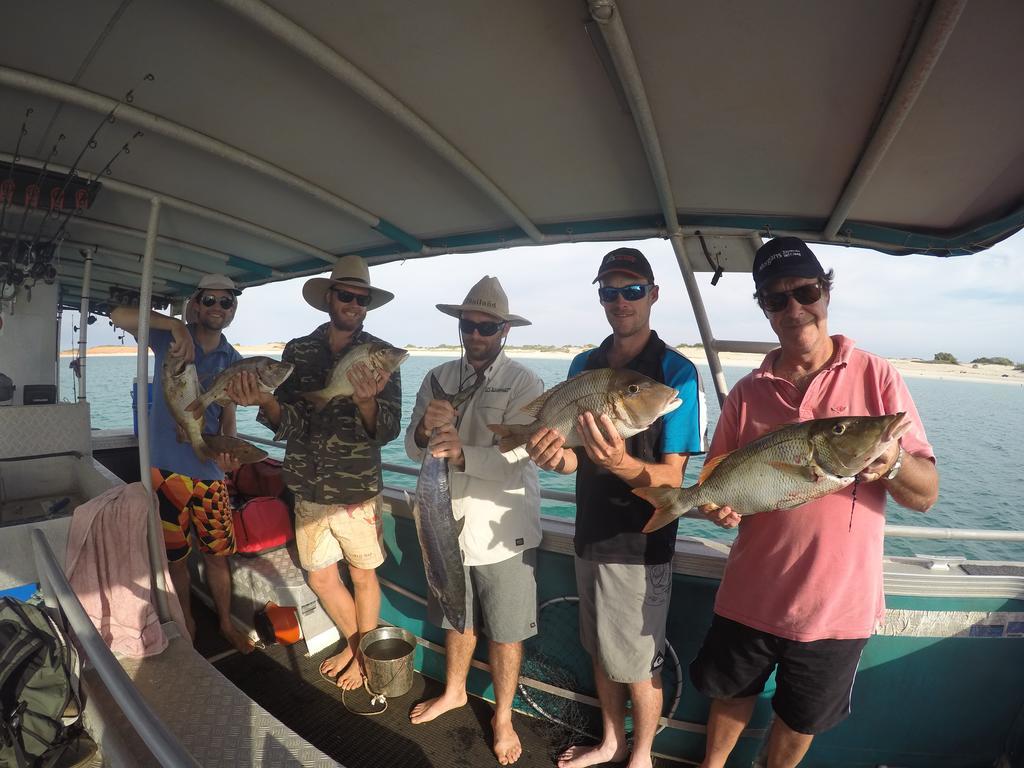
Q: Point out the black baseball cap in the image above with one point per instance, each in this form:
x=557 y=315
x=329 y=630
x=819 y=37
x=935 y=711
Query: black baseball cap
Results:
x=784 y=257
x=628 y=260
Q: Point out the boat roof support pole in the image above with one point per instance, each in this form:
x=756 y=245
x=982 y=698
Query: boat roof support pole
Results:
x=340 y=68
x=609 y=21
x=83 y=324
x=44 y=86
x=937 y=31
x=155 y=538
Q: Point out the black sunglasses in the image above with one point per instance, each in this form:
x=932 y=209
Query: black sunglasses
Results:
x=486 y=328
x=628 y=292
x=776 y=301
x=346 y=296
x=226 y=302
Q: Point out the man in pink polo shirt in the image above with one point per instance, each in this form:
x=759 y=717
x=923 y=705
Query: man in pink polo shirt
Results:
x=802 y=589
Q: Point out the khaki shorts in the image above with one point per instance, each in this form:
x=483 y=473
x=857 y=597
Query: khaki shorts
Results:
x=328 y=533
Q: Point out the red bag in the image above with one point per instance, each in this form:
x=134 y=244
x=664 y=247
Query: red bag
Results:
x=262 y=478
x=262 y=524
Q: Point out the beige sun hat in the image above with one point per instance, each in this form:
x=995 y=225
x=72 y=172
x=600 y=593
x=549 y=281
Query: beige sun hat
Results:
x=486 y=296
x=217 y=282
x=350 y=270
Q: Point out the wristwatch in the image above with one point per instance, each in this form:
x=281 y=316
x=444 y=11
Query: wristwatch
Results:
x=895 y=468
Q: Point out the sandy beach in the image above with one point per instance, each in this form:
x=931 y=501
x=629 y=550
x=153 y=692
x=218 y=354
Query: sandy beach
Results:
x=999 y=374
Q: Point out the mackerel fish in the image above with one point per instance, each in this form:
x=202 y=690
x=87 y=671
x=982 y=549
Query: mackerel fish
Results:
x=632 y=401
x=436 y=526
x=782 y=469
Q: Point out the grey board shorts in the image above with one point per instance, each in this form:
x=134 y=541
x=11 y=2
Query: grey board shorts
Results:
x=623 y=610
x=501 y=599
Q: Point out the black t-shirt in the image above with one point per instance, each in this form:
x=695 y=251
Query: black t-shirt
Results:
x=609 y=516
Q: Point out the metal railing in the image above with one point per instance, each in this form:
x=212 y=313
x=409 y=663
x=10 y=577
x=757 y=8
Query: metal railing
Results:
x=59 y=596
x=891 y=531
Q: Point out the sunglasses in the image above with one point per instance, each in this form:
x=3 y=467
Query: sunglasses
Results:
x=485 y=328
x=346 y=296
x=776 y=301
x=628 y=292
x=226 y=302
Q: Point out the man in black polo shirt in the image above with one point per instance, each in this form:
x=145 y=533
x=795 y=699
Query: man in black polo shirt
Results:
x=623 y=576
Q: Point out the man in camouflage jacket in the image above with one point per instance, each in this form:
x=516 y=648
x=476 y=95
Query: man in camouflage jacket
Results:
x=332 y=460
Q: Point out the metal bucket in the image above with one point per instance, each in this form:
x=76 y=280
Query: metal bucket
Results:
x=387 y=657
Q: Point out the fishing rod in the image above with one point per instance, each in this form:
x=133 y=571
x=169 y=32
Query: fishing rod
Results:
x=104 y=171
x=91 y=143
x=9 y=183
x=28 y=205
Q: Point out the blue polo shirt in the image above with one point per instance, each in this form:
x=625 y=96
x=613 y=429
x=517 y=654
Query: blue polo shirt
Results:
x=166 y=452
x=609 y=516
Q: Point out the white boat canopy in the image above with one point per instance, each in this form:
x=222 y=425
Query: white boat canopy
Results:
x=276 y=135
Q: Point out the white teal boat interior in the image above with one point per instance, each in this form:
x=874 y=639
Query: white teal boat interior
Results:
x=264 y=139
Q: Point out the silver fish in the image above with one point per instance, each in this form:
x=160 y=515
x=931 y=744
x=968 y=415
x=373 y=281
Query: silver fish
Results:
x=270 y=374
x=377 y=355
x=436 y=526
x=180 y=384
x=781 y=470
x=632 y=401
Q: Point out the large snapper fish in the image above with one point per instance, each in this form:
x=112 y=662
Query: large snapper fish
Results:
x=270 y=374
x=632 y=401
x=180 y=385
x=377 y=355
x=781 y=470
x=436 y=526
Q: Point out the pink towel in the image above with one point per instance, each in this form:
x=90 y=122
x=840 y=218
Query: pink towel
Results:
x=107 y=564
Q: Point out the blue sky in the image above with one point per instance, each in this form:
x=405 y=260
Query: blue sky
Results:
x=907 y=306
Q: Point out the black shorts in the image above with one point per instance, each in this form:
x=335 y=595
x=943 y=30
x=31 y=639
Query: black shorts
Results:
x=812 y=685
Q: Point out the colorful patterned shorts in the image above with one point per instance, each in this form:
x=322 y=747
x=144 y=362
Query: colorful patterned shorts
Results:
x=188 y=504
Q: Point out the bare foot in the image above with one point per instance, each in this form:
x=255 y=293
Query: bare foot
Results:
x=506 y=741
x=427 y=710
x=353 y=675
x=240 y=640
x=333 y=666
x=581 y=756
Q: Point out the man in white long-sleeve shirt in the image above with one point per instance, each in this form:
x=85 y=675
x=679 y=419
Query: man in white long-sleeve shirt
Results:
x=498 y=496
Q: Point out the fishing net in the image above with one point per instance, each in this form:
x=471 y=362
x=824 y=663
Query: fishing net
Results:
x=557 y=679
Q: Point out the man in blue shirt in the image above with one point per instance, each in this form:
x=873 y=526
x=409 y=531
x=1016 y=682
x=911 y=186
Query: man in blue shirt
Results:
x=624 y=576
x=191 y=492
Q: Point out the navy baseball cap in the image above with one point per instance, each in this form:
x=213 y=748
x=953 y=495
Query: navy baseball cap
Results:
x=628 y=260
x=784 y=257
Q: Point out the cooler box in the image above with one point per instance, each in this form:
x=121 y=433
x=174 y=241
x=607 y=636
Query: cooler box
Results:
x=149 y=402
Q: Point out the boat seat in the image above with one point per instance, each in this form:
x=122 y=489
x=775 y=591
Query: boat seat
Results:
x=215 y=721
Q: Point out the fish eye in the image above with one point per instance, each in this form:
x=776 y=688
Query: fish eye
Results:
x=838 y=429
x=633 y=389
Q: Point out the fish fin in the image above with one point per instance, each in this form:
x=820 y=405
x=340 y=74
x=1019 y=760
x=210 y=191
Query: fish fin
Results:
x=463 y=396
x=709 y=467
x=509 y=437
x=534 y=407
x=437 y=391
x=800 y=471
x=317 y=400
x=197 y=407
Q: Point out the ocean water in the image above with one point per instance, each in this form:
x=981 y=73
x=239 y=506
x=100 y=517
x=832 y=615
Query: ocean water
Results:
x=975 y=428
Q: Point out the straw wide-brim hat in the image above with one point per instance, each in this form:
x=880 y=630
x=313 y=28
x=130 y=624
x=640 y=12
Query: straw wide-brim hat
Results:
x=486 y=296
x=350 y=270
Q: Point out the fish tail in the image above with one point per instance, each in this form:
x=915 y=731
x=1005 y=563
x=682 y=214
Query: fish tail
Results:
x=668 y=503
